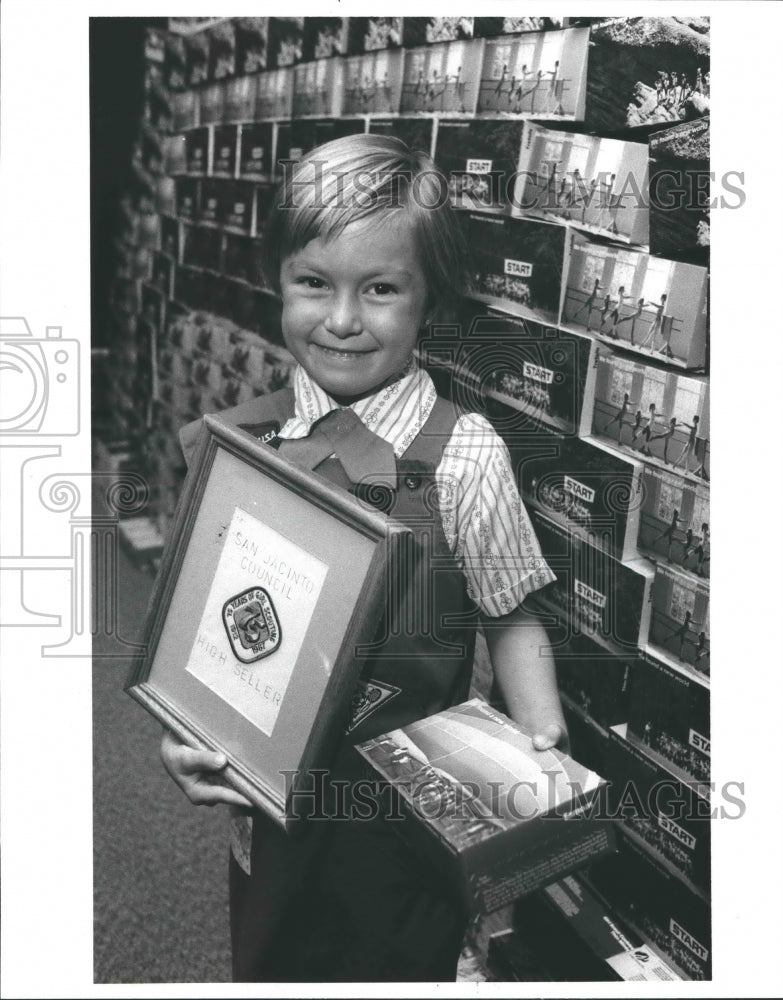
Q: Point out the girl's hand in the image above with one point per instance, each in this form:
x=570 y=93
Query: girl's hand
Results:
x=552 y=735
x=197 y=773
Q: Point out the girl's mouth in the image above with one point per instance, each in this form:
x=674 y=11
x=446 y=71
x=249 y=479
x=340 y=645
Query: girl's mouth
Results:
x=335 y=353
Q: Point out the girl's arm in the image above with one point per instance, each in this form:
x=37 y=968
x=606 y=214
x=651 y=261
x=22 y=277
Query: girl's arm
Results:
x=525 y=669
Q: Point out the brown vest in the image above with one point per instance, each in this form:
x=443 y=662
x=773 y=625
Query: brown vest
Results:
x=421 y=659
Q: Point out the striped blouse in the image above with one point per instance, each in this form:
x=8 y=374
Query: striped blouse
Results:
x=484 y=520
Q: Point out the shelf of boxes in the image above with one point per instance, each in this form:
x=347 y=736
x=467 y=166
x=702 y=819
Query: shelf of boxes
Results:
x=584 y=337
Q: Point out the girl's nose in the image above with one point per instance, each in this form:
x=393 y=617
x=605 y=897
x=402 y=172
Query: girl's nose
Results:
x=343 y=318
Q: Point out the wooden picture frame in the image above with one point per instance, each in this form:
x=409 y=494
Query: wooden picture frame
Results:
x=271 y=579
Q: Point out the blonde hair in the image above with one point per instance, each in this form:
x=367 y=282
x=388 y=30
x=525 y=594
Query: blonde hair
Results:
x=366 y=176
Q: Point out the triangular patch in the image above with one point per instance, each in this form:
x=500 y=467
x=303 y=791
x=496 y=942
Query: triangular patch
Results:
x=265 y=432
x=368 y=698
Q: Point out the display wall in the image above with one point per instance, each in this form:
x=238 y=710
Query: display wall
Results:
x=575 y=151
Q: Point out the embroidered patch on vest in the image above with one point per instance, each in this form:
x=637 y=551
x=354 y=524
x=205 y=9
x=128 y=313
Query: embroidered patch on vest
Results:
x=252 y=625
x=368 y=698
x=265 y=432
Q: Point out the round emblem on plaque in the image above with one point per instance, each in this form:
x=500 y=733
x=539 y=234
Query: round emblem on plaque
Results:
x=252 y=625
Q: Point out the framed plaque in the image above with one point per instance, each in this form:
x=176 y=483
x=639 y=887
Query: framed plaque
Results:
x=271 y=579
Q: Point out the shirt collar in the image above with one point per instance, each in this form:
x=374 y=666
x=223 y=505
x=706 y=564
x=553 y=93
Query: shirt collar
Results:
x=395 y=413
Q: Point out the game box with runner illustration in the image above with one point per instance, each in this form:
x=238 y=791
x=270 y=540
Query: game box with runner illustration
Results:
x=647 y=305
x=593 y=183
x=497 y=818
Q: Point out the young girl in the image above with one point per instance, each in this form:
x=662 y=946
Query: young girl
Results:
x=365 y=252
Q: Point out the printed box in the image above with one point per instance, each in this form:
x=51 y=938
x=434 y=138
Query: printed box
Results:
x=667 y=817
x=275 y=94
x=680 y=626
x=184 y=110
x=197 y=58
x=642 y=303
x=279 y=365
x=588 y=488
x=680 y=189
x=152 y=146
x=647 y=72
x=243 y=258
x=251 y=309
x=479 y=158
x=141 y=539
x=533 y=376
x=596 y=184
x=136 y=262
x=239 y=361
x=584 y=22
x=653 y=413
x=233 y=392
x=154 y=53
x=535 y=75
x=222 y=50
x=212 y=102
x=202 y=247
x=237 y=206
x=297 y=138
x=595 y=681
x=516 y=264
x=653 y=904
x=190 y=287
x=589 y=740
x=205 y=335
x=162 y=272
x=594 y=594
x=265 y=194
x=669 y=715
x=442 y=78
x=286 y=35
x=205 y=375
x=143 y=383
x=255 y=151
x=174 y=155
x=417 y=133
x=318 y=89
x=497 y=818
x=158 y=110
x=224 y=151
x=325 y=37
x=240 y=99
x=153 y=307
x=372 y=83
x=148 y=232
x=176 y=367
x=197 y=151
x=252 y=38
x=675 y=520
x=421 y=30
x=175 y=65
x=574 y=929
x=373 y=34
x=169 y=237
x=256 y=368
x=489 y=27
x=209 y=210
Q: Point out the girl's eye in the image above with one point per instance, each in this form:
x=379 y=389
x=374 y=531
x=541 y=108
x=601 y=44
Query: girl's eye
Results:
x=309 y=281
x=383 y=288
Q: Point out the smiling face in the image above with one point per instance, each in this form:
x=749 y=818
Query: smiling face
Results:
x=353 y=305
